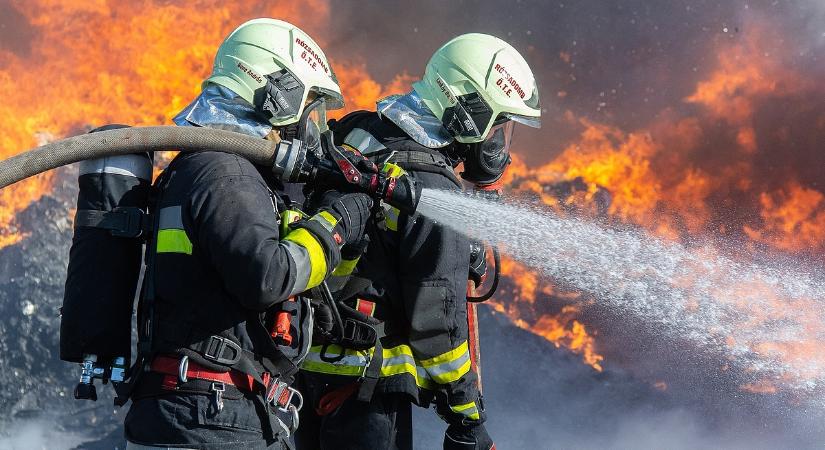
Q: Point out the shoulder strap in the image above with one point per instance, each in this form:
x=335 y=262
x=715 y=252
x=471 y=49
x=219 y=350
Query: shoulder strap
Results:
x=128 y=222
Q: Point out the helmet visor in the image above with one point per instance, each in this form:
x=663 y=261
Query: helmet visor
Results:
x=499 y=139
x=313 y=123
x=533 y=122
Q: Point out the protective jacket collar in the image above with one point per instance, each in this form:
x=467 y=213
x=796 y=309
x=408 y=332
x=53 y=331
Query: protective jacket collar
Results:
x=220 y=108
x=413 y=116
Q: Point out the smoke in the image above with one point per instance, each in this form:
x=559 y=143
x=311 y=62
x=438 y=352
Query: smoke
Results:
x=39 y=434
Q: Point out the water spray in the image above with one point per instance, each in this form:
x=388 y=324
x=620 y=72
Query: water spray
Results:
x=758 y=315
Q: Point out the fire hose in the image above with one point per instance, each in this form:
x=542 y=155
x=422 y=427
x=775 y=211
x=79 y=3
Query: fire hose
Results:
x=291 y=165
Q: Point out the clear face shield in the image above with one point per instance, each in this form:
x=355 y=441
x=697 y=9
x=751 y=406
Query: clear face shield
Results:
x=313 y=124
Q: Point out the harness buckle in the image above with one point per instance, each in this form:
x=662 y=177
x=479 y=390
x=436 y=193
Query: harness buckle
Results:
x=133 y=222
x=218 y=388
x=217 y=346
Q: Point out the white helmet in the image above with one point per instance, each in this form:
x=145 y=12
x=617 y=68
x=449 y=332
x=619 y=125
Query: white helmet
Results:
x=475 y=81
x=274 y=66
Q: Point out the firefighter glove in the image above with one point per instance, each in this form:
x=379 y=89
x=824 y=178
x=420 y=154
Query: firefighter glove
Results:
x=470 y=436
x=353 y=211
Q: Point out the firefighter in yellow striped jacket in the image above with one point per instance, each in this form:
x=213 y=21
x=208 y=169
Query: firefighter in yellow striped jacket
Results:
x=411 y=281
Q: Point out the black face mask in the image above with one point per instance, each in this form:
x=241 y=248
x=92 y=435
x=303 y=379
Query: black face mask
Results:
x=486 y=161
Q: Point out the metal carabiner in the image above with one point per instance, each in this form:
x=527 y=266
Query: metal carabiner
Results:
x=183 y=367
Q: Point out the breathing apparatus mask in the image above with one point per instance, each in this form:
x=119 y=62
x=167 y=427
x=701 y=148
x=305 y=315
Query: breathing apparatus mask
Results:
x=484 y=161
x=301 y=142
x=280 y=99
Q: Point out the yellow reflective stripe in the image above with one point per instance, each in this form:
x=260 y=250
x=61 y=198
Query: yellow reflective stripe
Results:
x=174 y=241
x=317 y=259
x=396 y=361
x=467 y=410
x=347 y=361
x=400 y=360
x=452 y=355
x=345 y=267
x=287 y=217
x=450 y=366
x=391 y=218
x=393 y=170
x=326 y=219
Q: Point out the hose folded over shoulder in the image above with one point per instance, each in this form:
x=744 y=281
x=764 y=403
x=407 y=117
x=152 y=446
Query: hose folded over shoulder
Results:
x=133 y=140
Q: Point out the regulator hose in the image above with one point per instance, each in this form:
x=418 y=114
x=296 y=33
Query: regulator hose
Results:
x=133 y=140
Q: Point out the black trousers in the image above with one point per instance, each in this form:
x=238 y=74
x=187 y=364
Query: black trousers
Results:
x=193 y=421
x=385 y=423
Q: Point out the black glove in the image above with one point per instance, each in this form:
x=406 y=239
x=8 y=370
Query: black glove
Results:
x=472 y=436
x=354 y=251
x=324 y=322
x=353 y=211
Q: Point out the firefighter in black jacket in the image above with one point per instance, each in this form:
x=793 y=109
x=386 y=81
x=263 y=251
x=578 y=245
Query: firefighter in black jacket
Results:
x=222 y=264
x=416 y=270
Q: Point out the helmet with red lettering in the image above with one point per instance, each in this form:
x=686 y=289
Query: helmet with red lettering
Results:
x=477 y=81
x=276 y=67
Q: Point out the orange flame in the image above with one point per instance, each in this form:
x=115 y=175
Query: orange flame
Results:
x=674 y=180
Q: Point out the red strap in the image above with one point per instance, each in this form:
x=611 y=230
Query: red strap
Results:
x=365 y=307
x=472 y=325
x=333 y=399
x=169 y=366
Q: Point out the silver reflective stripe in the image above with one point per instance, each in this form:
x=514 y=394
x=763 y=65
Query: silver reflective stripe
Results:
x=324 y=222
x=365 y=142
x=358 y=360
x=303 y=265
x=422 y=373
x=449 y=366
x=398 y=359
x=138 y=166
x=170 y=218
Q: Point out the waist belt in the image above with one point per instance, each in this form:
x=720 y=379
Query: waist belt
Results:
x=182 y=370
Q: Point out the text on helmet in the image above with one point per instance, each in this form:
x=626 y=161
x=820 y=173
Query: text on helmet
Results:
x=507 y=81
x=310 y=56
x=250 y=72
x=445 y=90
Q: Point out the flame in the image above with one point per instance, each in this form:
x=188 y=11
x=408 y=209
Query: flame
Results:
x=97 y=62
x=681 y=176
